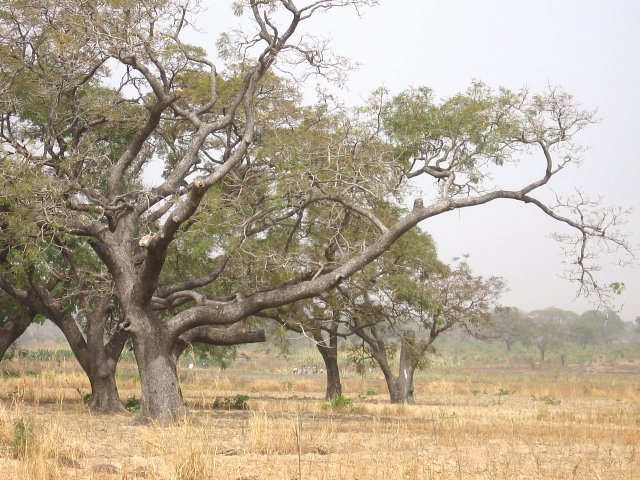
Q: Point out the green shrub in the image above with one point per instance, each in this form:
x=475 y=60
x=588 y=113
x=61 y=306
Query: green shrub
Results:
x=133 y=404
x=241 y=402
x=339 y=402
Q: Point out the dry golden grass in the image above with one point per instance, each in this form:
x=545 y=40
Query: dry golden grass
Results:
x=468 y=424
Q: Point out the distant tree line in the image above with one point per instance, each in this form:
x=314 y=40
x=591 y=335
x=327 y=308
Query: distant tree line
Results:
x=551 y=328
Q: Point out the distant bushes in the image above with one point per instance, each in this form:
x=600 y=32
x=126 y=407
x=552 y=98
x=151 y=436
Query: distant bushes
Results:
x=44 y=354
x=47 y=355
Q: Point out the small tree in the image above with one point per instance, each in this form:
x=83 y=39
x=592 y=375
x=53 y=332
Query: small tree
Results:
x=61 y=283
x=320 y=320
x=549 y=329
x=594 y=327
x=414 y=312
x=511 y=325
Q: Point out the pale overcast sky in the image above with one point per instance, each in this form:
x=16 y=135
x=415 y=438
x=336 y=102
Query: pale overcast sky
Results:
x=589 y=48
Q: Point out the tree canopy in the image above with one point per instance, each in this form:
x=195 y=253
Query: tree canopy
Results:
x=263 y=201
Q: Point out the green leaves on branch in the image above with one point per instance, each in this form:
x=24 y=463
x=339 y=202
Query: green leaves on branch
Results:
x=468 y=132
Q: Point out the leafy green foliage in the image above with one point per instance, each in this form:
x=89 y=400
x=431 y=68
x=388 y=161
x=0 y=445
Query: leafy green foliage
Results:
x=277 y=192
x=511 y=325
x=44 y=354
x=133 y=404
x=618 y=287
x=595 y=327
x=473 y=126
x=338 y=402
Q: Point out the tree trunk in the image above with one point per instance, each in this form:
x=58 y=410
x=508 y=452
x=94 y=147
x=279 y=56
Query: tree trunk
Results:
x=104 y=391
x=400 y=387
x=97 y=362
x=103 y=360
x=12 y=329
x=329 y=351
x=407 y=366
x=237 y=334
x=162 y=400
x=396 y=392
x=330 y=357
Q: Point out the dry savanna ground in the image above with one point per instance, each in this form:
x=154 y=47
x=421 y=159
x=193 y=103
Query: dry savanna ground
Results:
x=469 y=423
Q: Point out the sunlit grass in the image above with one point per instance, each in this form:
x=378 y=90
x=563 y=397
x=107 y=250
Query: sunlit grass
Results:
x=468 y=423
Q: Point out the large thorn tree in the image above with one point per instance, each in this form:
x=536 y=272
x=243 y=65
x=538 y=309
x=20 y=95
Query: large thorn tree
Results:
x=96 y=92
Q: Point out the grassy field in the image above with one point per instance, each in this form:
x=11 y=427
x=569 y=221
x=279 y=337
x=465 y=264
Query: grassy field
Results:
x=472 y=421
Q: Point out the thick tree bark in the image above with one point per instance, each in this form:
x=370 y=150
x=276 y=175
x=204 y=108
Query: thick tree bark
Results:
x=98 y=360
x=103 y=360
x=12 y=328
x=396 y=394
x=400 y=387
x=407 y=366
x=234 y=335
x=330 y=358
x=162 y=400
x=100 y=367
x=328 y=349
x=104 y=391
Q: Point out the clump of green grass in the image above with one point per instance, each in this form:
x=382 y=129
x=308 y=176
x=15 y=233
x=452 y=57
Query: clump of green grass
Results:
x=133 y=404
x=338 y=402
x=23 y=440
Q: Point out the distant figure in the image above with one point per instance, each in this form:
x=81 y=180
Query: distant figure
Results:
x=191 y=365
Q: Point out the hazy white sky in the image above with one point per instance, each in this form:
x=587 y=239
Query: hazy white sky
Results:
x=589 y=48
